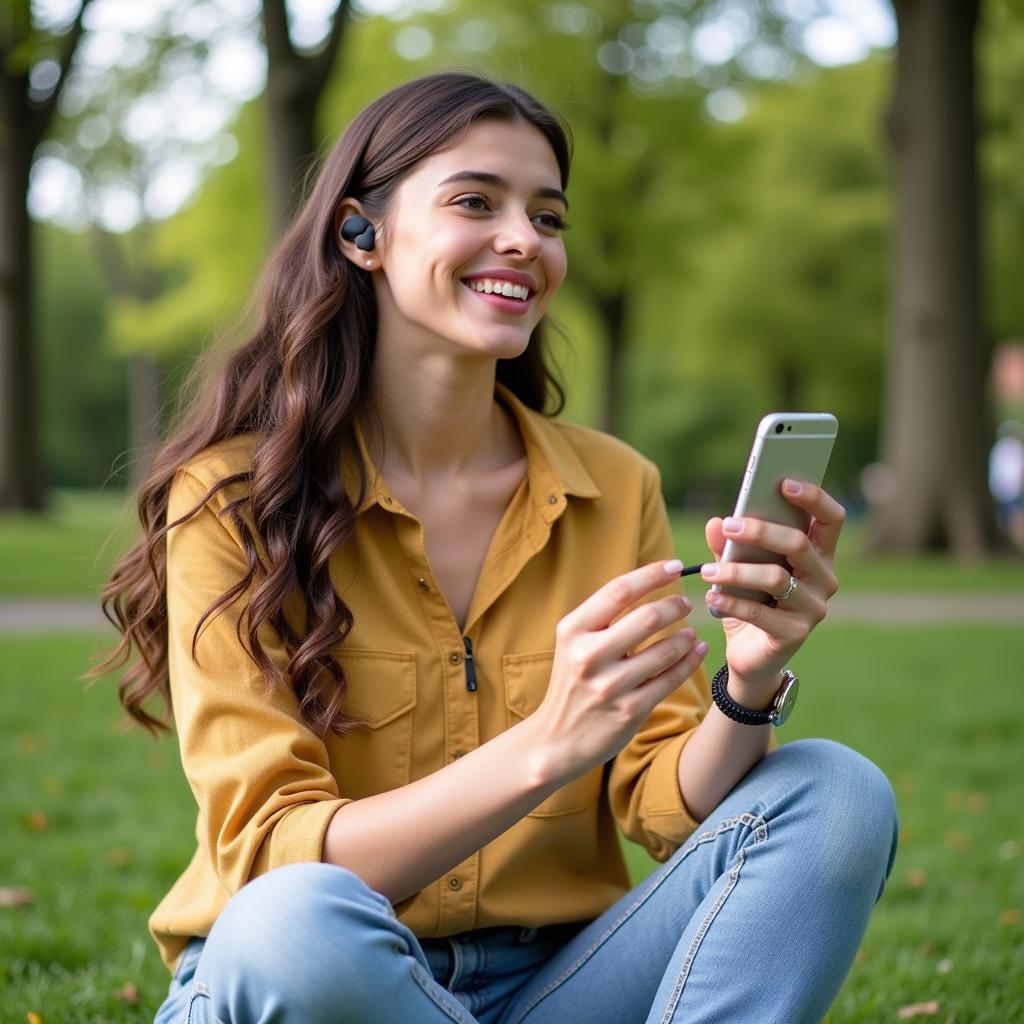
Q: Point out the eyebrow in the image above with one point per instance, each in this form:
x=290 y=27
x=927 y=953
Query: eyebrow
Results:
x=497 y=181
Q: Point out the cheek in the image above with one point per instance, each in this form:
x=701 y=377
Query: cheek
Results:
x=446 y=249
x=555 y=264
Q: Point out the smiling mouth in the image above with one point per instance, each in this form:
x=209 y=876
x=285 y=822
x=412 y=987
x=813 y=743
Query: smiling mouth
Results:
x=505 y=289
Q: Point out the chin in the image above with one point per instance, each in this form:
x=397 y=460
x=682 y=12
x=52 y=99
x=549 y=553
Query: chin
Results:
x=501 y=346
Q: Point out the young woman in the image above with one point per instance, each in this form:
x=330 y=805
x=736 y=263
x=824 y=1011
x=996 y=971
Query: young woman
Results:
x=426 y=646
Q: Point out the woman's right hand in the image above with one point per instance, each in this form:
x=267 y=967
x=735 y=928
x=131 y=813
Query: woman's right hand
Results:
x=598 y=696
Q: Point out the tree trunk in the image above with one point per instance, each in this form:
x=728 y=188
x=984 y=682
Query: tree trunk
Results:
x=23 y=123
x=936 y=428
x=294 y=85
x=21 y=483
x=144 y=400
x=612 y=310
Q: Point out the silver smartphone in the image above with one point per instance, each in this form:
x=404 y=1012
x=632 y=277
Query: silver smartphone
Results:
x=787 y=444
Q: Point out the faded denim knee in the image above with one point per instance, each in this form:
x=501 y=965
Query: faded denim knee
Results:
x=303 y=940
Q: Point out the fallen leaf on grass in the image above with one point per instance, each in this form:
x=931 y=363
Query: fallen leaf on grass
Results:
x=1011 y=915
x=34 y=1018
x=914 y=878
x=128 y=992
x=16 y=896
x=929 y=1009
x=975 y=803
x=957 y=841
x=37 y=820
x=25 y=745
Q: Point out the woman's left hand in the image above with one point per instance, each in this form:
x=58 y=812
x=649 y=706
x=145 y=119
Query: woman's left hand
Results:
x=761 y=638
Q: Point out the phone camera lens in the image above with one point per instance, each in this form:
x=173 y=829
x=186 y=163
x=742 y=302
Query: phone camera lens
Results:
x=778 y=428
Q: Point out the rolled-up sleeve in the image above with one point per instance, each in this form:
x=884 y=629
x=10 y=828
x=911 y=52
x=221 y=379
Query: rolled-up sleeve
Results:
x=261 y=778
x=643 y=785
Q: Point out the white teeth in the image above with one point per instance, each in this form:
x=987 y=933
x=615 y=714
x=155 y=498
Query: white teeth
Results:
x=506 y=288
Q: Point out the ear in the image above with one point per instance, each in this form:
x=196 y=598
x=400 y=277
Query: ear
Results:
x=349 y=207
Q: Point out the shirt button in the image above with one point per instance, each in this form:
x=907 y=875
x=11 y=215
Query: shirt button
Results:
x=455 y=883
x=424 y=585
x=455 y=658
x=552 y=499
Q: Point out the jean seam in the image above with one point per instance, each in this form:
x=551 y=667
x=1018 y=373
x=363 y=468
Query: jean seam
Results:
x=424 y=981
x=754 y=821
x=709 y=917
x=456 y=963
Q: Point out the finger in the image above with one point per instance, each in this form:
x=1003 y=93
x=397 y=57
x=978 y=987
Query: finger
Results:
x=640 y=624
x=714 y=536
x=652 y=692
x=783 y=540
x=784 y=628
x=828 y=515
x=602 y=607
x=652 y=661
x=768 y=577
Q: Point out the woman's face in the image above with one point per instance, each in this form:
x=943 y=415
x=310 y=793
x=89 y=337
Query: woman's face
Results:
x=465 y=228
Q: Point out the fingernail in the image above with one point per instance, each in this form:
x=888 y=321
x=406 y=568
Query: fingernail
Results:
x=714 y=598
x=792 y=486
x=732 y=525
x=710 y=571
x=702 y=648
x=673 y=568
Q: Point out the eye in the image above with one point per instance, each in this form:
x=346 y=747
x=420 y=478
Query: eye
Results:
x=550 y=221
x=474 y=201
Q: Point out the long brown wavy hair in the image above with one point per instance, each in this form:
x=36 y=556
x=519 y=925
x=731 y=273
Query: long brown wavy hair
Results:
x=298 y=384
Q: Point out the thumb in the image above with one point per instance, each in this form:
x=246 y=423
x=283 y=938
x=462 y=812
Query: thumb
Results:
x=714 y=536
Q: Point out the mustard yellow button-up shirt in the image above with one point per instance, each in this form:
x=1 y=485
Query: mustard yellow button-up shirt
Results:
x=590 y=508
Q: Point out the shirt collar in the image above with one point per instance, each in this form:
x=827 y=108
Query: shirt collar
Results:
x=554 y=468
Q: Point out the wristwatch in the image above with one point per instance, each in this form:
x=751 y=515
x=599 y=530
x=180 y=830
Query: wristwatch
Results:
x=782 y=705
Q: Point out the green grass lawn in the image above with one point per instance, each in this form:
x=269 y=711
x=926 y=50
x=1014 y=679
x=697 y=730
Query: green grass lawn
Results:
x=98 y=823
x=70 y=551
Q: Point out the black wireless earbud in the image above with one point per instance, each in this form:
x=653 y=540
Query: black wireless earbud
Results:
x=359 y=230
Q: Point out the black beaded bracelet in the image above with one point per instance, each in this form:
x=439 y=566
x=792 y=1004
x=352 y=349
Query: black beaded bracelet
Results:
x=729 y=707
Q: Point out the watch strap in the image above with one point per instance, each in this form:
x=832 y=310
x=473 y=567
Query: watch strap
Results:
x=737 y=712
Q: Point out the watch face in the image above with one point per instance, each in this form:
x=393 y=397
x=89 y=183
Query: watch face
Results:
x=786 y=700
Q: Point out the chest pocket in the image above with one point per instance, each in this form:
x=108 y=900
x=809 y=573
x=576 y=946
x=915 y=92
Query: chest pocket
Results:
x=526 y=681
x=381 y=692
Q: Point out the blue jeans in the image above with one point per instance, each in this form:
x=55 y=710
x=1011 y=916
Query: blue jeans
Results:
x=757 y=917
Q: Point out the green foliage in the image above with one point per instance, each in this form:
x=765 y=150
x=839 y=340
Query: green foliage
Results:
x=751 y=257
x=783 y=307
x=208 y=253
x=84 y=404
x=1000 y=151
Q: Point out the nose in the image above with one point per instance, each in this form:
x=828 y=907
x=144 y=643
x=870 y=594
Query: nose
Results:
x=517 y=236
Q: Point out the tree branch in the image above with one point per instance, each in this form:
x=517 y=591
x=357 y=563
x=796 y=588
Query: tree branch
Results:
x=41 y=114
x=280 y=51
x=324 y=60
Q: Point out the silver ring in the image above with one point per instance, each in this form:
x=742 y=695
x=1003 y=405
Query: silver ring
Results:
x=789 y=591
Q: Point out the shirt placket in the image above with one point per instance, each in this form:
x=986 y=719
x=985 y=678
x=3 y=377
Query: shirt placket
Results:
x=459 y=888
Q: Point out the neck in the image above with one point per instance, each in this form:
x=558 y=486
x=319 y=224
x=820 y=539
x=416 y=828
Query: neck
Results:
x=437 y=423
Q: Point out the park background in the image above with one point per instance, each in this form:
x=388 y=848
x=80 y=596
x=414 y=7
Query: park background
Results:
x=785 y=204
